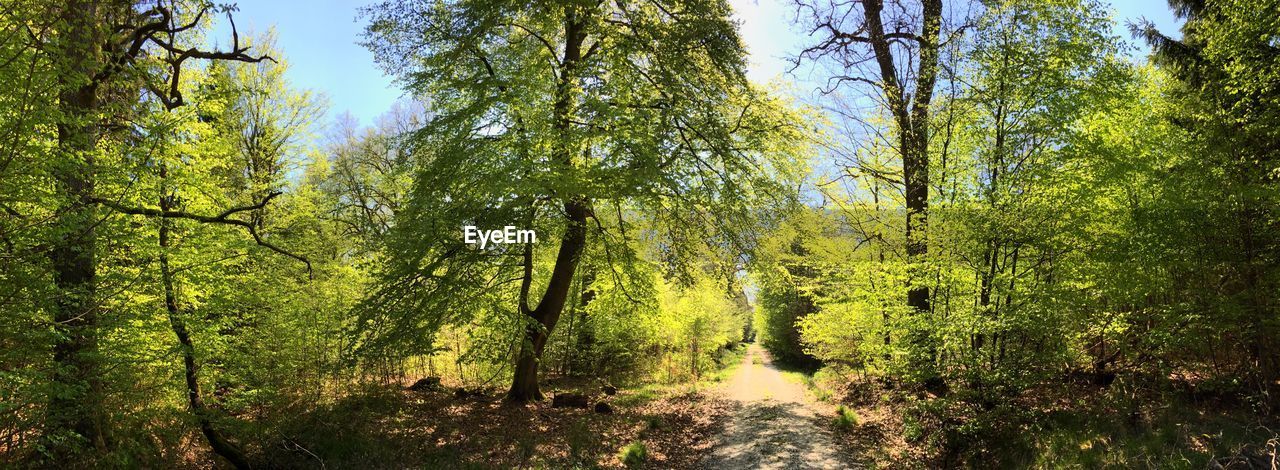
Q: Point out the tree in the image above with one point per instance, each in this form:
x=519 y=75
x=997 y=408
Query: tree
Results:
x=368 y=172
x=105 y=54
x=1036 y=69
x=108 y=62
x=548 y=112
x=1226 y=66
x=895 y=54
x=27 y=292
x=251 y=135
x=787 y=277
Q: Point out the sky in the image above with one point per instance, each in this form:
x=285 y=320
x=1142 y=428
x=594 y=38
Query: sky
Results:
x=319 y=39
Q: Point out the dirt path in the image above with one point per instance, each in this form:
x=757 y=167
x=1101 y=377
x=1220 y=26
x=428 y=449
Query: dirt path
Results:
x=776 y=426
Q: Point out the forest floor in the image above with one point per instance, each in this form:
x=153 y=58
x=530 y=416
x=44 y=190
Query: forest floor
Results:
x=675 y=424
x=775 y=425
x=754 y=413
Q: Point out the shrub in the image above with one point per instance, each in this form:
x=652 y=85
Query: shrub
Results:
x=912 y=430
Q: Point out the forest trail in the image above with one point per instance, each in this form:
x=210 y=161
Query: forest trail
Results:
x=776 y=425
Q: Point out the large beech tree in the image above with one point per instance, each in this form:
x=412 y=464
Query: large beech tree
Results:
x=545 y=114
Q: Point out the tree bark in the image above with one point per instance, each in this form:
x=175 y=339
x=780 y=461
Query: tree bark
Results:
x=87 y=57
x=524 y=385
x=915 y=158
x=577 y=339
x=75 y=415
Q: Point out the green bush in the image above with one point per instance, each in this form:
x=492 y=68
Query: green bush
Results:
x=912 y=430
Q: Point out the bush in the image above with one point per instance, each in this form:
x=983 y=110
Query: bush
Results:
x=634 y=454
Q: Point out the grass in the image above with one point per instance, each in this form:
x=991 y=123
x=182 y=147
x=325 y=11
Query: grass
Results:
x=633 y=455
x=653 y=422
x=821 y=394
x=726 y=364
x=1178 y=437
x=797 y=377
x=640 y=395
x=846 y=419
x=811 y=380
x=730 y=359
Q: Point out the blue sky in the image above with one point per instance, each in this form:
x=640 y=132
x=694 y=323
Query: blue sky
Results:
x=319 y=39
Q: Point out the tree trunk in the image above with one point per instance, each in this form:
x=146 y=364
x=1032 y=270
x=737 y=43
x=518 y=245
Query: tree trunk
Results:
x=884 y=312
x=217 y=442
x=915 y=157
x=524 y=384
x=911 y=117
x=75 y=415
x=987 y=277
x=575 y=340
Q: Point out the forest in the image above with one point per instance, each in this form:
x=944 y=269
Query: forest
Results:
x=952 y=234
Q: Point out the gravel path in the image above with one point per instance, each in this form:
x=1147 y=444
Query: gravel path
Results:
x=776 y=425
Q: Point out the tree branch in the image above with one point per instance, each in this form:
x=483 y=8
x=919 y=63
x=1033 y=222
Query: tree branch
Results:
x=222 y=218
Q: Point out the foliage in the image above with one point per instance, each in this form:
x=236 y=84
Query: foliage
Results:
x=592 y=124
x=1091 y=222
x=785 y=279
x=1008 y=169
x=1222 y=195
